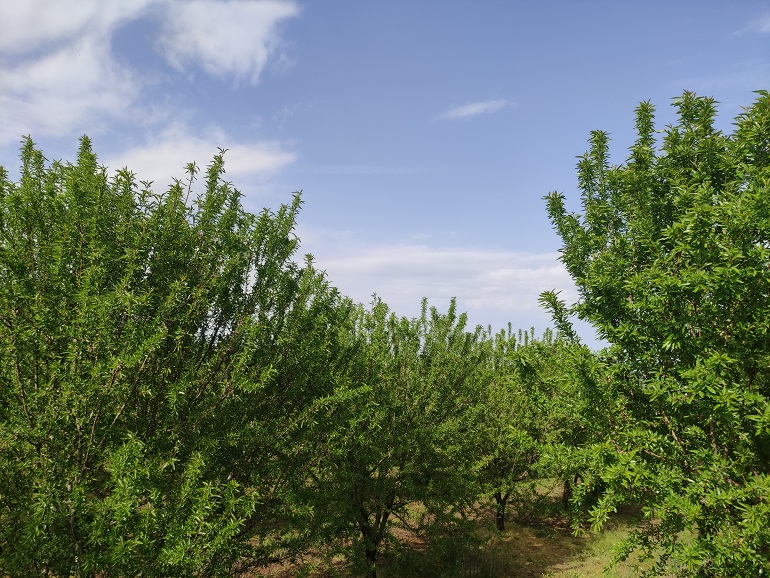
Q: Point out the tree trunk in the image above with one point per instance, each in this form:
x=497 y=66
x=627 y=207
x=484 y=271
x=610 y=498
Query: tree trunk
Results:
x=371 y=562
x=500 y=518
x=500 y=503
x=566 y=494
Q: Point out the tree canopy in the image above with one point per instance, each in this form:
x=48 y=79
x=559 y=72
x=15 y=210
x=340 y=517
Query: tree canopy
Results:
x=671 y=257
x=157 y=358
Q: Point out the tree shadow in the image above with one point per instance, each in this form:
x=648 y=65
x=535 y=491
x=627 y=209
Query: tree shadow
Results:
x=538 y=541
x=532 y=543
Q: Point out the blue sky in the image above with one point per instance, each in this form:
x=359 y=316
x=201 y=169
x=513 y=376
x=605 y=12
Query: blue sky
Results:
x=423 y=134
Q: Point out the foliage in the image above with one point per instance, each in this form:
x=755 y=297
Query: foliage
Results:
x=539 y=411
x=398 y=421
x=157 y=361
x=671 y=257
x=513 y=420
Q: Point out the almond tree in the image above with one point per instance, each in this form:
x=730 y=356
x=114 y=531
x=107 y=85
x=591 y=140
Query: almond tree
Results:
x=539 y=411
x=671 y=256
x=157 y=362
x=400 y=419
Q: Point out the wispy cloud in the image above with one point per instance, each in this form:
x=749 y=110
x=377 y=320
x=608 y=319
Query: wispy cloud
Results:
x=760 y=25
x=175 y=147
x=475 y=109
x=485 y=282
x=230 y=38
x=494 y=287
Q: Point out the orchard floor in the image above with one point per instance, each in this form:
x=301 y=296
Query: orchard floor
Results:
x=539 y=545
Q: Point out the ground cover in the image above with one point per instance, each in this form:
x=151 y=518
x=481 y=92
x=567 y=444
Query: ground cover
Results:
x=538 y=543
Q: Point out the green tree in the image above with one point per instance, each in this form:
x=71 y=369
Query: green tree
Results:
x=671 y=256
x=397 y=451
x=537 y=415
x=158 y=360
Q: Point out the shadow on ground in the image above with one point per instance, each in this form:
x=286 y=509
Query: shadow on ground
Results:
x=535 y=544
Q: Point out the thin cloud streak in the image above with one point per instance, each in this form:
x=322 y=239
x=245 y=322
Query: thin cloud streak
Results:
x=474 y=109
x=759 y=25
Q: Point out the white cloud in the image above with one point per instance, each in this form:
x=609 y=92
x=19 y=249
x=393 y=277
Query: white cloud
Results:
x=61 y=76
x=35 y=24
x=493 y=286
x=224 y=37
x=165 y=157
x=75 y=88
x=474 y=109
